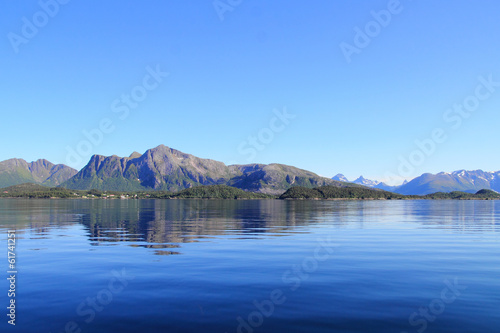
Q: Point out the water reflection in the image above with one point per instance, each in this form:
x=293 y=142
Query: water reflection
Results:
x=164 y=224
x=390 y=258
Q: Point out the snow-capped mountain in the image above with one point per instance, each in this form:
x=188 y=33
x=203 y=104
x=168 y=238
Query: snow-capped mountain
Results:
x=461 y=180
x=340 y=177
x=375 y=184
x=366 y=182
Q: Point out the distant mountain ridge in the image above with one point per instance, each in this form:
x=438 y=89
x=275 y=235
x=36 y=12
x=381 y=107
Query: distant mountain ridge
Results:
x=340 y=177
x=427 y=183
x=461 y=180
x=164 y=168
x=17 y=171
x=365 y=182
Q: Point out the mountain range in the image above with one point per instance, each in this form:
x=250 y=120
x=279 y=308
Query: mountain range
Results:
x=17 y=171
x=461 y=180
x=366 y=182
x=164 y=168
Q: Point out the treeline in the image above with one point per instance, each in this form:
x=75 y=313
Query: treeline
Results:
x=333 y=192
x=218 y=192
x=30 y=190
x=481 y=194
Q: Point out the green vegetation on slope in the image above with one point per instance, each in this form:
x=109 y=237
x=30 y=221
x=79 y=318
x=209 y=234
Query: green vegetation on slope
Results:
x=18 y=171
x=481 y=194
x=487 y=193
x=17 y=176
x=219 y=192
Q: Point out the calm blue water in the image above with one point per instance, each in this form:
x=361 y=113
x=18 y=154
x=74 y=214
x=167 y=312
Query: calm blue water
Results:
x=253 y=266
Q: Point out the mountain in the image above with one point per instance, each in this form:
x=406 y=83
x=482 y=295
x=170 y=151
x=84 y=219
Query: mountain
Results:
x=366 y=182
x=340 y=177
x=164 y=168
x=385 y=187
x=374 y=184
x=462 y=180
x=275 y=178
x=18 y=171
x=160 y=168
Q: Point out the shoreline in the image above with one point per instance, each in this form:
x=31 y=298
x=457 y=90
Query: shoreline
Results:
x=224 y=192
x=253 y=199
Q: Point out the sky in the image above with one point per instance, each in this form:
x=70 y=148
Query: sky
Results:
x=384 y=89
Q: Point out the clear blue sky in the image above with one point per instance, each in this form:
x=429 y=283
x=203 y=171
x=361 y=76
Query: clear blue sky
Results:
x=227 y=76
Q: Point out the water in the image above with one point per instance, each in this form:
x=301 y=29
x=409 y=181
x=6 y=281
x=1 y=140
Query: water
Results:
x=253 y=266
